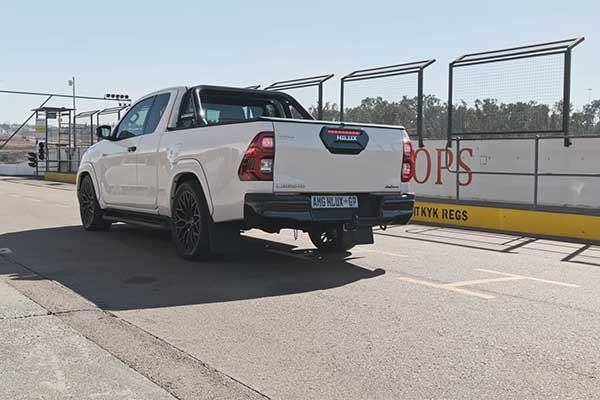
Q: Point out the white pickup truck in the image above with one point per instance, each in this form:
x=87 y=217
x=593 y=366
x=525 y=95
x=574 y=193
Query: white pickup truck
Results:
x=209 y=162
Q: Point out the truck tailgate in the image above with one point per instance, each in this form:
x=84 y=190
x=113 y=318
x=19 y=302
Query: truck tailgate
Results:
x=320 y=157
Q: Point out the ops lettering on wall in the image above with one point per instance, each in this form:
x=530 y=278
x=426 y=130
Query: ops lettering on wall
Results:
x=444 y=161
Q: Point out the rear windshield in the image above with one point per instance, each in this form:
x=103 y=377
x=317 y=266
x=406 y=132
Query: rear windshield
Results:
x=222 y=108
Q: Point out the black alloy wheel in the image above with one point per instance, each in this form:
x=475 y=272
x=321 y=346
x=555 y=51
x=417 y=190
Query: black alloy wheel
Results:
x=89 y=208
x=189 y=221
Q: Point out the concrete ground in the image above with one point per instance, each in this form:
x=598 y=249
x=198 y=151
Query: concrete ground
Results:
x=425 y=313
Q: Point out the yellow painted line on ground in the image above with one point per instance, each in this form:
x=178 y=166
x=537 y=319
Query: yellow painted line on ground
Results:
x=575 y=226
x=60 y=177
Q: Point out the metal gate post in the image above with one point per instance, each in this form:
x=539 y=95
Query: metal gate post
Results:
x=91 y=129
x=566 y=109
x=536 y=171
x=342 y=100
x=420 y=107
x=69 y=148
x=74 y=130
x=47 y=148
x=457 y=156
x=450 y=105
x=37 y=164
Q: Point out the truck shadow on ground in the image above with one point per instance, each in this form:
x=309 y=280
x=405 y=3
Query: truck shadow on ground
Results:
x=135 y=268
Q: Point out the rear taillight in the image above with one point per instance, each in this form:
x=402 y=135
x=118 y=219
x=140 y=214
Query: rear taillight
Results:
x=257 y=164
x=408 y=161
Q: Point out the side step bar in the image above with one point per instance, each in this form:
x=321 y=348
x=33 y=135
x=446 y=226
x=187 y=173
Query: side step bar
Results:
x=135 y=218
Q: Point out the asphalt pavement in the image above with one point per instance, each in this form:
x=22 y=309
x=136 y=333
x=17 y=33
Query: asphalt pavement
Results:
x=424 y=313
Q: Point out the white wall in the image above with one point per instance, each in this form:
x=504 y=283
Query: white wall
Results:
x=512 y=156
x=16 y=169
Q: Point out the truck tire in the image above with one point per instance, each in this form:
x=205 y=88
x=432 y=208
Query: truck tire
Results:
x=89 y=208
x=189 y=222
x=331 y=239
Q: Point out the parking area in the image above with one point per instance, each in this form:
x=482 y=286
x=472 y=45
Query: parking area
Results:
x=425 y=312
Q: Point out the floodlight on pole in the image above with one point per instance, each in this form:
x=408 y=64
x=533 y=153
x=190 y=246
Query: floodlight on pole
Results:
x=73 y=131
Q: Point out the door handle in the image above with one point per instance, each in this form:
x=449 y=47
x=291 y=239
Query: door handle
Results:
x=131 y=149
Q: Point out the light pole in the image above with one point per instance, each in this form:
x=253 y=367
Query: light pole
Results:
x=72 y=84
x=72 y=120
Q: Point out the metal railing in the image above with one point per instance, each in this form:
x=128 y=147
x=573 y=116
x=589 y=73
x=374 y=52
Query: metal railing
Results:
x=61 y=158
x=50 y=96
x=416 y=67
x=534 y=173
x=310 y=81
x=561 y=47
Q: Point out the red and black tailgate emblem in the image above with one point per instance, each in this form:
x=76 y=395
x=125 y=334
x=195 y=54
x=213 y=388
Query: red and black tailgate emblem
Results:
x=341 y=140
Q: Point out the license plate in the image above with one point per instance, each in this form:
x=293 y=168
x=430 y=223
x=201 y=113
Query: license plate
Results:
x=334 y=201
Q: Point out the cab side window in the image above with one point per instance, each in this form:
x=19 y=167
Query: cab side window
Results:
x=157 y=112
x=135 y=120
x=188 y=115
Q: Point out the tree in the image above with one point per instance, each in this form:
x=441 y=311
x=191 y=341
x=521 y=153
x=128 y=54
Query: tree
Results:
x=482 y=116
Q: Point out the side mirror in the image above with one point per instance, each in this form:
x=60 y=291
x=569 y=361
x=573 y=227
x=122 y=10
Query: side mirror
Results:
x=104 y=132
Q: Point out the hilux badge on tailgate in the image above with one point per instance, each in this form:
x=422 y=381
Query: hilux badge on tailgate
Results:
x=344 y=140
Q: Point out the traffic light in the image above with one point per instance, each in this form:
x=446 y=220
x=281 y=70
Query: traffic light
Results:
x=32 y=157
x=42 y=151
x=116 y=96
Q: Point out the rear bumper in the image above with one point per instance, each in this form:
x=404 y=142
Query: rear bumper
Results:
x=294 y=211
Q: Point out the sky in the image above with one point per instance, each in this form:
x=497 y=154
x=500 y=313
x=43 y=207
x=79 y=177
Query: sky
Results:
x=137 y=47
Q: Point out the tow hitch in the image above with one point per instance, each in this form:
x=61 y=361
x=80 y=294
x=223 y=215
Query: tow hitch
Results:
x=360 y=234
x=352 y=226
